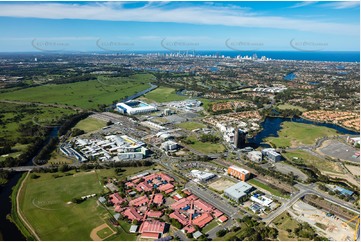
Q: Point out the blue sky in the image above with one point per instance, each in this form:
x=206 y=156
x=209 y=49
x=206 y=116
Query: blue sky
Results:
x=132 y=26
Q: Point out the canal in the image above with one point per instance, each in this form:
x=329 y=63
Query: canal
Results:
x=8 y=229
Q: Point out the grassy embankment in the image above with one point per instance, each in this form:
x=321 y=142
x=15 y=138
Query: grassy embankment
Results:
x=45 y=204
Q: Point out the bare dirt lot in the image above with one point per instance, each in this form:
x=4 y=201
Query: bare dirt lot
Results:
x=355 y=170
x=286 y=169
x=221 y=184
x=331 y=227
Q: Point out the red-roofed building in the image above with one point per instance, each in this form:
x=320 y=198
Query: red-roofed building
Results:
x=130 y=184
x=165 y=187
x=144 y=186
x=180 y=217
x=187 y=192
x=148 y=235
x=118 y=208
x=217 y=213
x=170 y=190
x=202 y=220
x=116 y=199
x=192 y=197
x=202 y=205
x=152 y=226
x=189 y=229
x=132 y=214
x=158 y=199
x=180 y=204
x=139 y=201
x=223 y=218
x=155 y=214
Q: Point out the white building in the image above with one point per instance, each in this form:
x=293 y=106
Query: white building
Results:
x=255 y=156
x=262 y=200
x=169 y=145
x=202 y=176
x=237 y=191
x=133 y=107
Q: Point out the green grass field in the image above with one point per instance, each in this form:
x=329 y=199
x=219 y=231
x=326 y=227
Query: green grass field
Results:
x=87 y=95
x=289 y=106
x=164 y=94
x=210 y=226
x=205 y=147
x=284 y=222
x=44 y=202
x=266 y=187
x=104 y=233
x=294 y=134
x=191 y=125
x=90 y=124
x=308 y=159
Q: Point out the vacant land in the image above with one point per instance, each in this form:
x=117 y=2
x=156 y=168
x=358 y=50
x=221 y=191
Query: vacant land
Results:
x=45 y=203
x=87 y=94
x=191 y=125
x=302 y=157
x=289 y=106
x=355 y=170
x=164 y=94
x=266 y=187
x=205 y=147
x=57 y=159
x=295 y=134
x=221 y=184
x=285 y=222
x=90 y=124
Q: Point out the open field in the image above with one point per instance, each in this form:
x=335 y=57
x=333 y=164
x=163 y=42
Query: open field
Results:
x=164 y=94
x=56 y=159
x=191 y=125
x=87 y=94
x=295 y=134
x=45 y=203
x=355 y=170
x=205 y=147
x=210 y=226
x=90 y=124
x=289 y=106
x=265 y=187
x=221 y=184
x=12 y=115
x=305 y=158
x=284 y=222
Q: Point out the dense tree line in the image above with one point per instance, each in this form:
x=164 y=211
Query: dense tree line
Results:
x=71 y=122
x=44 y=154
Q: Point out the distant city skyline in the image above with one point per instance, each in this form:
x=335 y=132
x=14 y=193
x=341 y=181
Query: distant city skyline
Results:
x=179 y=26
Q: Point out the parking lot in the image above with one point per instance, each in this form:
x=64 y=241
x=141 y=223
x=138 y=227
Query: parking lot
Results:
x=339 y=150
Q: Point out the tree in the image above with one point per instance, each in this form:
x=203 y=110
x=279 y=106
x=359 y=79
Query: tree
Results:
x=221 y=233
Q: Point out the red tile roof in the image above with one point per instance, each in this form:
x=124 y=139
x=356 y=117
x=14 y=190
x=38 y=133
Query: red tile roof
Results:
x=149 y=235
x=139 y=201
x=217 y=213
x=165 y=187
x=132 y=214
x=180 y=217
x=155 y=214
x=116 y=199
x=189 y=229
x=180 y=204
x=200 y=204
x=158 y=198
x=152 y=226
x=223 y=218
x=144 y=186
x=202 y=220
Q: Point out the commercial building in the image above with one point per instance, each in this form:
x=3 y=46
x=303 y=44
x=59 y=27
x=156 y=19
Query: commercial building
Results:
x=169 y=146
x=262 y=200
x=202 y=176
x=255 y=156
x=239 y=138
x=133 y=107
x=152 y=229
x=271 y=154
x=238 y=191
x=239 y=173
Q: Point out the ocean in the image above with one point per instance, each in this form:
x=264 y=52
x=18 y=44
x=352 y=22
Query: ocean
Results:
x=334 y=56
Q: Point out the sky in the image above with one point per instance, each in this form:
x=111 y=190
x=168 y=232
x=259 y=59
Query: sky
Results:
x=179 y=26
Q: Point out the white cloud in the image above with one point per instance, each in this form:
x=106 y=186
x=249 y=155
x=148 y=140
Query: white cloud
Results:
x=343 y=4
x=302 y=4
x=207 y=15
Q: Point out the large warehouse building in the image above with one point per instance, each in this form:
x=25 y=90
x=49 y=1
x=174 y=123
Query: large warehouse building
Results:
x=133 y=107
x=237 y=191
x=238 y=172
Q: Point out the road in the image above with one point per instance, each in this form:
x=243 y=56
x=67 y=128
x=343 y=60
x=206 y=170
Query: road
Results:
x=213 y=199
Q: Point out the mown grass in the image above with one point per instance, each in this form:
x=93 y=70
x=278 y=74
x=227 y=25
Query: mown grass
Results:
x=302 y=157
x=266 y=187
x=294 y=134
x=205 y=147
x=90 y=124
x=164 y=94
x=191 y=125
x=44 y=202
x=87 y=94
